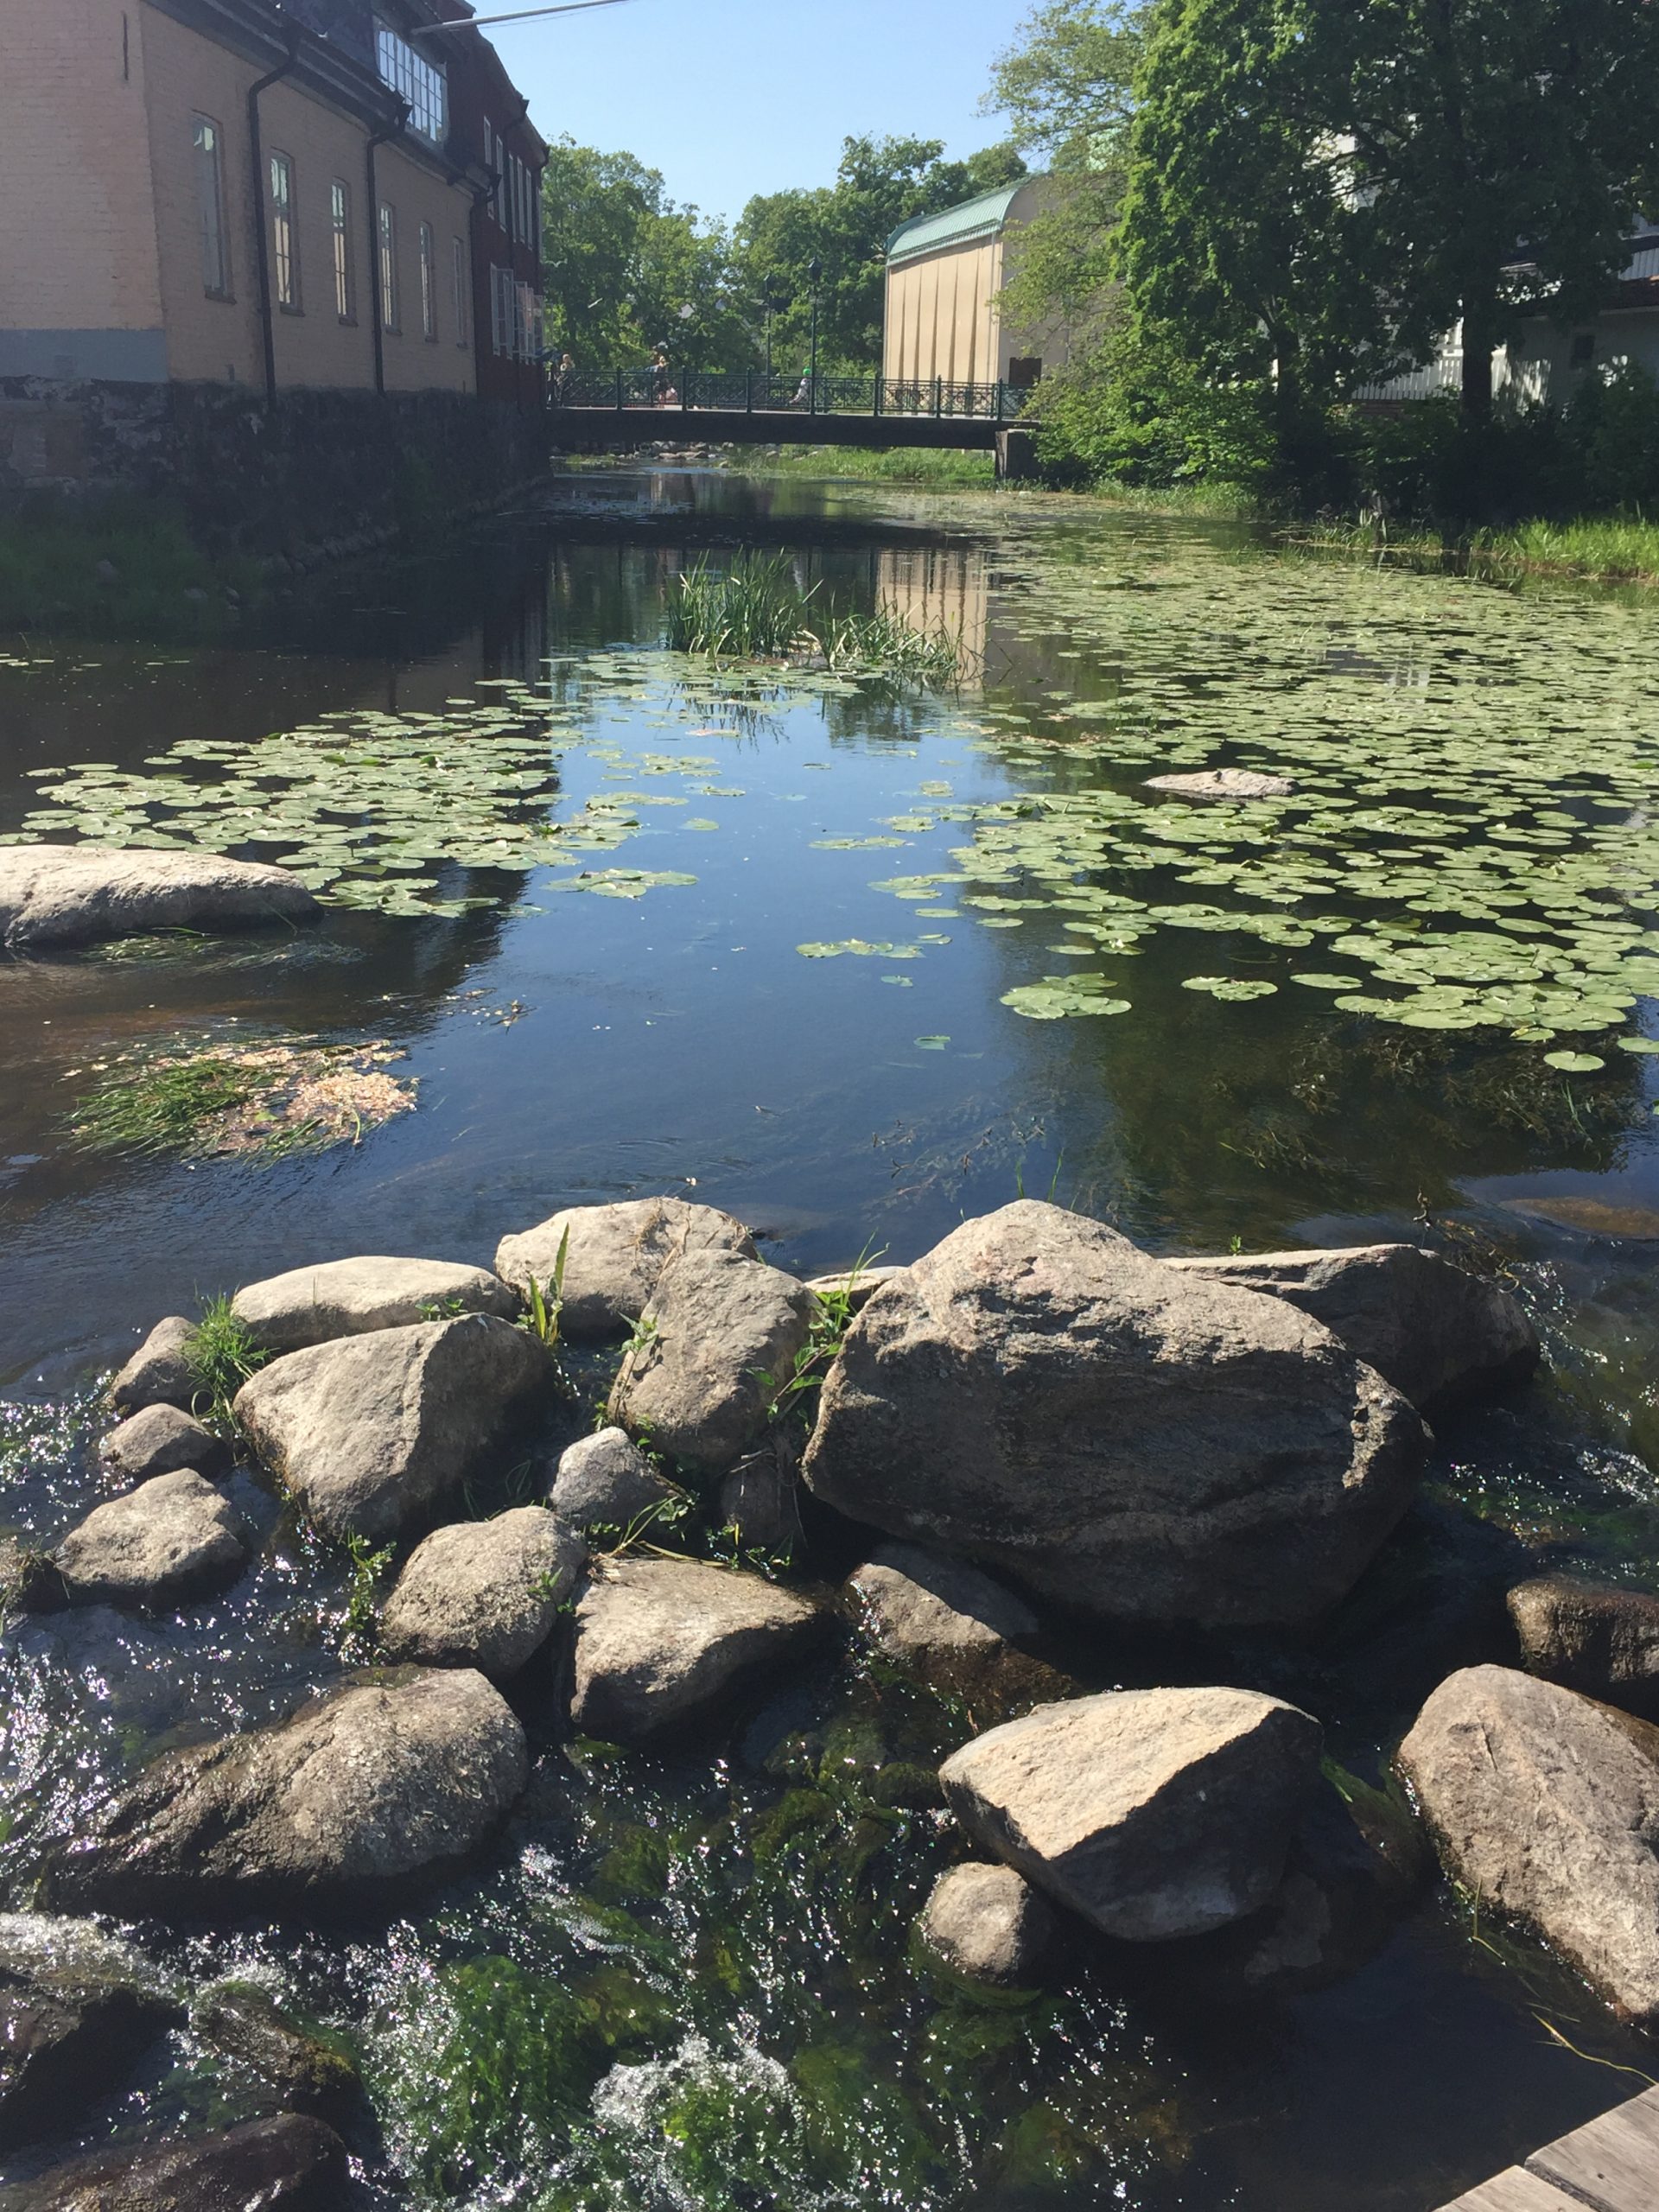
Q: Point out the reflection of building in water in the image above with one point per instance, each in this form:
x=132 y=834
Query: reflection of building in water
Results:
x=938 y=588
x=945 y=276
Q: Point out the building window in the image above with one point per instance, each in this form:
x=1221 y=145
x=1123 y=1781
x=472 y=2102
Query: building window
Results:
x=388 y=266
x=501 y=312
x=428 y=285
x=344 y=288
x=416 y=79
x=462 y=319
x=210 y=205
x=284 y=252
x=1583 y=349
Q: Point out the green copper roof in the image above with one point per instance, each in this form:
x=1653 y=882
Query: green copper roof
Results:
x=976 y=219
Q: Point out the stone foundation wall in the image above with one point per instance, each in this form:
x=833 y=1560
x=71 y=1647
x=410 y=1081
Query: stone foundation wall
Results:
x=321 y=471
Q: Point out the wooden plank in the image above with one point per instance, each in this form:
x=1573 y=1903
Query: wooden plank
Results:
x=1514 y=2191
x=1613 y=2163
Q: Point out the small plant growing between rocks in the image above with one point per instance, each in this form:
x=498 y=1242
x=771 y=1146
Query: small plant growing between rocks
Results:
x=222 y=1356
x=797 y=1396
x=546 y=1316
x=360 y=1629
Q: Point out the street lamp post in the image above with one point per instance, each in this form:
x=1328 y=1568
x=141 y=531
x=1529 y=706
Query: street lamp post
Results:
x=815 y=269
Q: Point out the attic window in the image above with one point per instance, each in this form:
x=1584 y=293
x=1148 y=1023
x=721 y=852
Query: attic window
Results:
x=416 y=79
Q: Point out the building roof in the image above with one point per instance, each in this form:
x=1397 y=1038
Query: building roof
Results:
x=976 y=219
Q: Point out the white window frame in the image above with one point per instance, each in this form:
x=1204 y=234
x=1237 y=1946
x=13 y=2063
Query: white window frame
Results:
x=462 y=282
x=339 y=216
x=284 y=235
x=207 y=142
x=416 y=79
x=429 y=250
x=386 y=274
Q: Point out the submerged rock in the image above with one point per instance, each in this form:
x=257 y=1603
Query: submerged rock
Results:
x=952 y=1625
x=159 y=1373
x=484 y=1593
x=309 y=2075
x=365 y=1792
x=80 y=894
x=290 y=2164
x=76 y=2011
x=615 y=1256
x=353 y=1297
x=1441 y=1335
x=161 y=1439
x=1547 y=1805
x=1154 y=1814
x=605 y=1481
x=718 y=1340
x=1233 y=784
x=988 y=1923
x=1141 y=1444
x=660 y=1640
x=1600 y=1638
x=174 y=1538
x=370 y=1431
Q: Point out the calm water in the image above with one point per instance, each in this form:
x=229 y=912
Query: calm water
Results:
x=688 y=1985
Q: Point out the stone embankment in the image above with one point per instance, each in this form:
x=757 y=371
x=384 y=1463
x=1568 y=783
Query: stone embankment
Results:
x=1034 y=1435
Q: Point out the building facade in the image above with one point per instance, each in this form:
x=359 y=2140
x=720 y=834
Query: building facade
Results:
x=945 y=277
x=244 y=194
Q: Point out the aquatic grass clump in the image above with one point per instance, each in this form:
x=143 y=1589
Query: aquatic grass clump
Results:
x=222 y=1355
x=757 y=609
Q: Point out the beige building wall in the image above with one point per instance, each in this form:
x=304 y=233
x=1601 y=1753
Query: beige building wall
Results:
x=417 y=195
x=942 y=314
x=80 y=292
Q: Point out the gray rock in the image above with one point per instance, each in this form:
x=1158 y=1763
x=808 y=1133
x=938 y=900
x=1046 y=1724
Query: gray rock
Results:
x=1153 y=1813
x=1441 y=1335
x=290 y=2164
x=1547 y=1805
x=605 y=1481
x=760 y=1498
x=174 y=1538
x=76 y=2011
x=1223 y=784
x=78 y=894
x=353 y=1297
x=1134 y=1441
x=988 y=1923
x=717 y=1339
x=952 y=1625
x=857 y=1285
x=663 y=1641
x=309 y=2075
x=159 y=1373
x=367 y=1791
x=615 y=1256
x=370 y=1431
x=161 y=1439
x=484 y=1593
x=1598 y=1637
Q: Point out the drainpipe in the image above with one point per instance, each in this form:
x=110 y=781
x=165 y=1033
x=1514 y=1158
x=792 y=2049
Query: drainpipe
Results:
x=378 y=136
x=262 y=241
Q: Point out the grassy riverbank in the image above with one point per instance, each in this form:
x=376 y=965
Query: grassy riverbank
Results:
x=122 y=569
x=899 y=464
x=1607 y=549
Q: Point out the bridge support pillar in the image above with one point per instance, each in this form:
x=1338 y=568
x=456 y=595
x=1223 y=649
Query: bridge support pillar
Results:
x=1016 y=456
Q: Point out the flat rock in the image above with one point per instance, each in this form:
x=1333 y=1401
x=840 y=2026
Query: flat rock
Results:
x=1153 y=1813
x=352 y=1298
x=290 y=2164
x=858 y=1286
x=364 y=1794
x=310 y=2075
x=1223 y=784
x=159 y=1373
x=1547 y=1804
x=615 y=1256
x=1135 y=1442
x=717 y=1339
x=1598 y=1637
x=1441 y=1336
x=663 y=1641
x=174 y=1538
x=80 y=895
x=159 y=1440
x=952 y=1625
x=484 y=1593
x=369 y=1432
x=605 y=1481
x=78 y=2011
x=988 y=1923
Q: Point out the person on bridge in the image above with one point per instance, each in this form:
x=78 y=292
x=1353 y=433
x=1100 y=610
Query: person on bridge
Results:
x=661 y=383
x=564 y=381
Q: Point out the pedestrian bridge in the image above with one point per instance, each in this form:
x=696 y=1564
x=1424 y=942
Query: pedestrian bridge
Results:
x=631 y=407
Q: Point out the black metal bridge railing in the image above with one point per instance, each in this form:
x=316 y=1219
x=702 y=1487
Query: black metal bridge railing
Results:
x=754 y=392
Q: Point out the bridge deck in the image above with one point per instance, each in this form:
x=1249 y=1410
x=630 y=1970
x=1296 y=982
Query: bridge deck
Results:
x=608 y=429
x=1610 y=2165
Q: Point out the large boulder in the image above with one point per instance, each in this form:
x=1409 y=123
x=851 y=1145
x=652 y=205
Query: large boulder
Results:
x=174 y=1538
x=483 y=1593
x=716 y=1342
x=353 y=1297
x=605 y=1481
x=1600 y=1638
x=1138 y=1443
x=158 y=1441
x=615 y=1256
x=1441 y=1335
x=1546 y=1805
x=663 y=1641
x=370 y=1431
x=988 y=1924
x=160 y=1373
x=364 y=1794
x=952 y=1625
x=1152 y=1813
x=76 y=2011
x=54 y=895
x=290 y=2164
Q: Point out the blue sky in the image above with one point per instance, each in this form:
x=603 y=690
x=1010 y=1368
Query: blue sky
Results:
x=729 y=98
